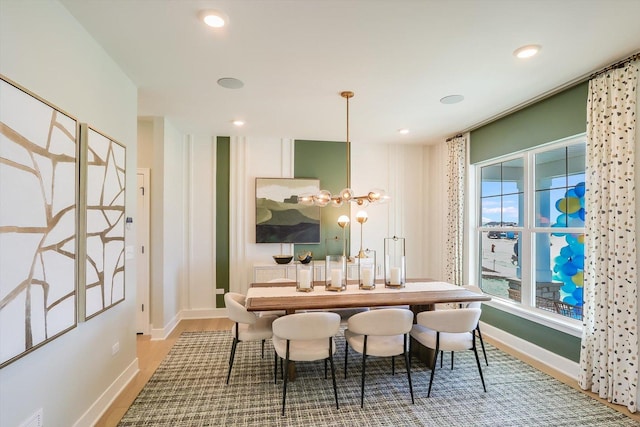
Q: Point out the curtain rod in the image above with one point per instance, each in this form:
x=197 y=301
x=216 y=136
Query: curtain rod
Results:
x=618 y=64
x=550 y=93
x=454 y=137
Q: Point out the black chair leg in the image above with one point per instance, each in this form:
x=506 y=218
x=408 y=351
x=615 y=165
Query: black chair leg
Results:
x=441 y=358
x=263 y=349
x=231 y=357
x=435 y=359
x=275 y=367
x=333 y=375
x=482 y=344
x=346 y=353
x=393 y=365
x=325 y=369
x=475 y=351
x=408 y=364
x=451 y=360
x=364 y=367
x=286 y=378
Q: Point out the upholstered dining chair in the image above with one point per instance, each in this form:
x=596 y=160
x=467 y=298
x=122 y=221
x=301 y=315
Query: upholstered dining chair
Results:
x=380 y=333
x=305 y=337
x=247 y=327
x=473 y=304
x=448 y=330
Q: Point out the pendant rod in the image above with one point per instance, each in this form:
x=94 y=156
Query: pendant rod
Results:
x=348 y=94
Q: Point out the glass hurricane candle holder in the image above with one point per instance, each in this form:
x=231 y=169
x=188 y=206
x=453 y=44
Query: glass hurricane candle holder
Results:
x=394 y=262
x=335 y=273
x=304 y=276
x=367 y=270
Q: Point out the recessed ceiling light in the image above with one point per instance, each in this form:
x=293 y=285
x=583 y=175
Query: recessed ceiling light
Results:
x=452 y=99
x=403 y=131
x=230 y=83
x=213 y=18
x=526 y=51
x=238 y=123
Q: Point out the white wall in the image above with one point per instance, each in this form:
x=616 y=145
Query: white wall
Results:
x=45 y=50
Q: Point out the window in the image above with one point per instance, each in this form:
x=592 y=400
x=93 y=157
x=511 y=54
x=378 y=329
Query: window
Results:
x=531 y=227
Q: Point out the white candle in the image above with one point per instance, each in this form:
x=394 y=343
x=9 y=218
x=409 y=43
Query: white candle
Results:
x=336 y=277
x=305 y=279
x=367 y=277
x=395 y=275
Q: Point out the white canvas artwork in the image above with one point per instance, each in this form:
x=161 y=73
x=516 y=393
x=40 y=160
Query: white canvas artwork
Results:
x=38 y=197
x=105 y=223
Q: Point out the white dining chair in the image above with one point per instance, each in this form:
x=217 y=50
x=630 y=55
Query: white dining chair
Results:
x=473 y=304
x=305 y=337
x=448 y=330
x=380 y=333
x=247 y=327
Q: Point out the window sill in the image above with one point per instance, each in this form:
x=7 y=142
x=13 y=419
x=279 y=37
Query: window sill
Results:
x=560 y=323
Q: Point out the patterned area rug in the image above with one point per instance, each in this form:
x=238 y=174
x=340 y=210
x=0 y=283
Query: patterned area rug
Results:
x=189 y=389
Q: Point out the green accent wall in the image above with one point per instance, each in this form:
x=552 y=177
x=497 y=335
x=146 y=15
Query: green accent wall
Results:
x=554 y=118
x=557 y=117
x=557 y=342
x=222 y=215
x=326 y=161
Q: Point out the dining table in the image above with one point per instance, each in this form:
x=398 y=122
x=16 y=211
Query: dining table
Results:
x=418 y=294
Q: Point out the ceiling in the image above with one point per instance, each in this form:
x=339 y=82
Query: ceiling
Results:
x=400 y=57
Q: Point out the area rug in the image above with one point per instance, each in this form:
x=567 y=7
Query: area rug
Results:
x=188 y=389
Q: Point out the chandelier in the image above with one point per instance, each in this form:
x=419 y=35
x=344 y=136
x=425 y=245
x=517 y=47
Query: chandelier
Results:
x=325 y=198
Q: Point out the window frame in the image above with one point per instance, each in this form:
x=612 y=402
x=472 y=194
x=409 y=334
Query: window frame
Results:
x=527 y=231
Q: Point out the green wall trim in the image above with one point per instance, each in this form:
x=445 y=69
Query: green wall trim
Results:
x=557 y=342
x=223 y=170
x=326 y=161
x=554 y=118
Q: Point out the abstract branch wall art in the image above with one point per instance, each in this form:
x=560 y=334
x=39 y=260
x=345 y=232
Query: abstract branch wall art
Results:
x=105 y=221
x=38 y=209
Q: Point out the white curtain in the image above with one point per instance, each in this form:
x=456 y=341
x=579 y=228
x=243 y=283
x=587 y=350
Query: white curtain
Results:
x=456 y=169
x=609 y=354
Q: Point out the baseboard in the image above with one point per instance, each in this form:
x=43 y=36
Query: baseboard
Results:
x=163 y=333
x=208 y=313
x=93 y=414
x=539 y=354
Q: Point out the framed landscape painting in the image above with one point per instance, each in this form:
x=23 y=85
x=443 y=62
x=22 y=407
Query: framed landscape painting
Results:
x=279 y=217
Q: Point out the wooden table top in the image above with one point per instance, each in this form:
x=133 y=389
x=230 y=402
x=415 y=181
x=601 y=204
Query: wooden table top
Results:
x=417 y=292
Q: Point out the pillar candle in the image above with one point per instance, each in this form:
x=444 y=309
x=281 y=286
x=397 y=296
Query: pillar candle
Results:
x=395 y=275
x=305 y=279
x=367 y=277
x=336 y=277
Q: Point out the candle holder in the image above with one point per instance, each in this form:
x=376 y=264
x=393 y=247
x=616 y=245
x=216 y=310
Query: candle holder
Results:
x=304 y=276
x=367 y=271
x=335 y=273
x=394 y=262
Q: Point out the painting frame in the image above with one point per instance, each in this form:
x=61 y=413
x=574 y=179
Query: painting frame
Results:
x=39 y=157
x=103 y=218
x=279 y=216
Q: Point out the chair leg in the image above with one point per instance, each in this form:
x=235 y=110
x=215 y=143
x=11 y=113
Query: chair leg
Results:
x=475 y=351
x=435 y=359
x=263 y=349
x=275 y=367
x=364 y=365
x=441 y=357
x=393 y=365
x=408 y=365
x=325 y=369
x=346 y=352
x=333 y=372
x=286 y=378
x=482 y=344
x=451 y=360
x=231 y=357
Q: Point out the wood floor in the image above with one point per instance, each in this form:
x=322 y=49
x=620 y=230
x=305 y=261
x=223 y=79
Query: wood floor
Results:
x=151 y=353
